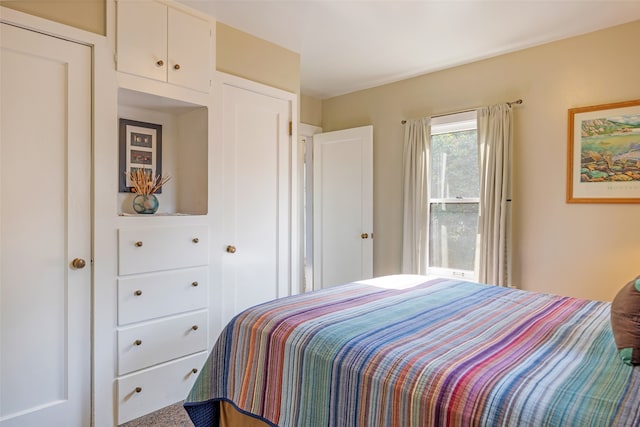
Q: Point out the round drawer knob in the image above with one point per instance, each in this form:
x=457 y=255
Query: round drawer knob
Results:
x=138 y=342
x=176 y=67
x=194 y=371
x=194 y=284
x=139 y=244
x=231 y=249
x=78 y=263
x=138 y=293
x=194 y=327
x=138 y=389
x=195 y=240
x=159 y=62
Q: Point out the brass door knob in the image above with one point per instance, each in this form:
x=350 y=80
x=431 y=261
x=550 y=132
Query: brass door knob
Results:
x=177 y=66
x=364 y=235
x=231 y=249
x=160 y=63
x=78 y=263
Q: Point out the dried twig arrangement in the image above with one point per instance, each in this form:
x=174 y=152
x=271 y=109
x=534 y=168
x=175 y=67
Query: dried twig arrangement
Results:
x=144 y=183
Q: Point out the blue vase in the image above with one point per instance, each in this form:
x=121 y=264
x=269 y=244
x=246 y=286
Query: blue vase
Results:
x=145 y=203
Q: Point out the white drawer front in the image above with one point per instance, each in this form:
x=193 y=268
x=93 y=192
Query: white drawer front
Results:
x=148 y=296
x=160 y=341
x=148 y=249
x=152 y=389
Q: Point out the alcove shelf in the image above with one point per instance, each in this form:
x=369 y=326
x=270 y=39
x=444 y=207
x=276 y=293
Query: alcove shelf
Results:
x=185 y=136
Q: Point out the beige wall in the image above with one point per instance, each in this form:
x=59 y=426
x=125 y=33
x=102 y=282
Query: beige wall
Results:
x=310 y=110
x=246 y=56
x=84 y=14
x=584 y=250
x=237 y=53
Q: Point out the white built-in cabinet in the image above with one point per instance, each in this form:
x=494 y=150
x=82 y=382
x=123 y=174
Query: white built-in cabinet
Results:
x=164 y=324
x=164 y=43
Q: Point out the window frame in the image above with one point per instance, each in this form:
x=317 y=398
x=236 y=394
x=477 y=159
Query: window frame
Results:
x=450 y=123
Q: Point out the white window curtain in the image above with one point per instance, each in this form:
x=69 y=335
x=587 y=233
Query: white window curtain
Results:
x=415 y=230
x=495 y=135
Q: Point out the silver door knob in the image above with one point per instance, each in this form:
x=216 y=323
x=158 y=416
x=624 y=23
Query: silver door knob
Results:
x=78 y=263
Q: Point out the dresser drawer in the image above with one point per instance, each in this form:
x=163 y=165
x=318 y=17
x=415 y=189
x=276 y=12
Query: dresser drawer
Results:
x=155 y=342
x=148 y=249
x=148 y=296
x=149 y=390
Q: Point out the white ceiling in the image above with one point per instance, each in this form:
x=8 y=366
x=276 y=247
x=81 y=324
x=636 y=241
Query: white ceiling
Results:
x=350 y=45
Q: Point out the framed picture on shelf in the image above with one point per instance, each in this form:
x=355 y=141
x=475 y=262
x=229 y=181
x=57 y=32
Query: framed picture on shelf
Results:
x=603 y=156
x=140 y=149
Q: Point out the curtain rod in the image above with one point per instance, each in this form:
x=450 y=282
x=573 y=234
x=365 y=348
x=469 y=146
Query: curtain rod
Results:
x=517 y=101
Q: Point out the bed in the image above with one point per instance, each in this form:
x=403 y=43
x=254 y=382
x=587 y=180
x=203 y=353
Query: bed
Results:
x=418 y=351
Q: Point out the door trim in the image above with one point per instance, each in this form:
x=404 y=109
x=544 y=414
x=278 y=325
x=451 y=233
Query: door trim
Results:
x=305 y=185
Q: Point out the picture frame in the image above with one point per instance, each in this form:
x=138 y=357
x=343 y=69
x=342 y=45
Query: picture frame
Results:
x=140 y=148
x=603 y=153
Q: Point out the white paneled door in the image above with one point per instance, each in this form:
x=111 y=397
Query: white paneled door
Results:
x=342 y=206
x=45 y=230
x=257 y=176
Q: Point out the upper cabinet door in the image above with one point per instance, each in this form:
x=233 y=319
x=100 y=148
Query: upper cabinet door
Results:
x=189 y=47
x=142 y=39
x=165 y=44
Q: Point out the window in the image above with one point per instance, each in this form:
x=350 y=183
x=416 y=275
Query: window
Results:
x=454 y=195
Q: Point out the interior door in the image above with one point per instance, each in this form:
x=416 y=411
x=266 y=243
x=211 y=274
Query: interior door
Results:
x=45 y=177
x=256 y=263
x=342 y=206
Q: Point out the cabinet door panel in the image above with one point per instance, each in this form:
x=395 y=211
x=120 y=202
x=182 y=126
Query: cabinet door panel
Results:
x=142 y=39
x=189 y=50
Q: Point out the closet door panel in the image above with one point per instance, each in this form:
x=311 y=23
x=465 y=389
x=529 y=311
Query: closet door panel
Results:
x=256 y=251
x=45 y=230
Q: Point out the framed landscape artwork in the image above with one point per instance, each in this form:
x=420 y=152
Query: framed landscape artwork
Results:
x=603 y=158
x=140 y=149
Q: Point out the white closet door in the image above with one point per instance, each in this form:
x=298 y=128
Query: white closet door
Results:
x=342 y=206
x=256 y=263
x=45 y=177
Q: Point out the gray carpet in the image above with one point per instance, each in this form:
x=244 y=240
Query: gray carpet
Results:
x=171 y=416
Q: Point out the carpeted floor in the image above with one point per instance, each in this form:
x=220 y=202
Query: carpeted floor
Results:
x=171 y=416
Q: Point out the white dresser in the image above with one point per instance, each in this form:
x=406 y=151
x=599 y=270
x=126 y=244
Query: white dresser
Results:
x=163 y=300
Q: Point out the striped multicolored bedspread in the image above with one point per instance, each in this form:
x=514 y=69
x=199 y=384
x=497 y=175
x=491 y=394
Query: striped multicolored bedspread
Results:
x=441 y=353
